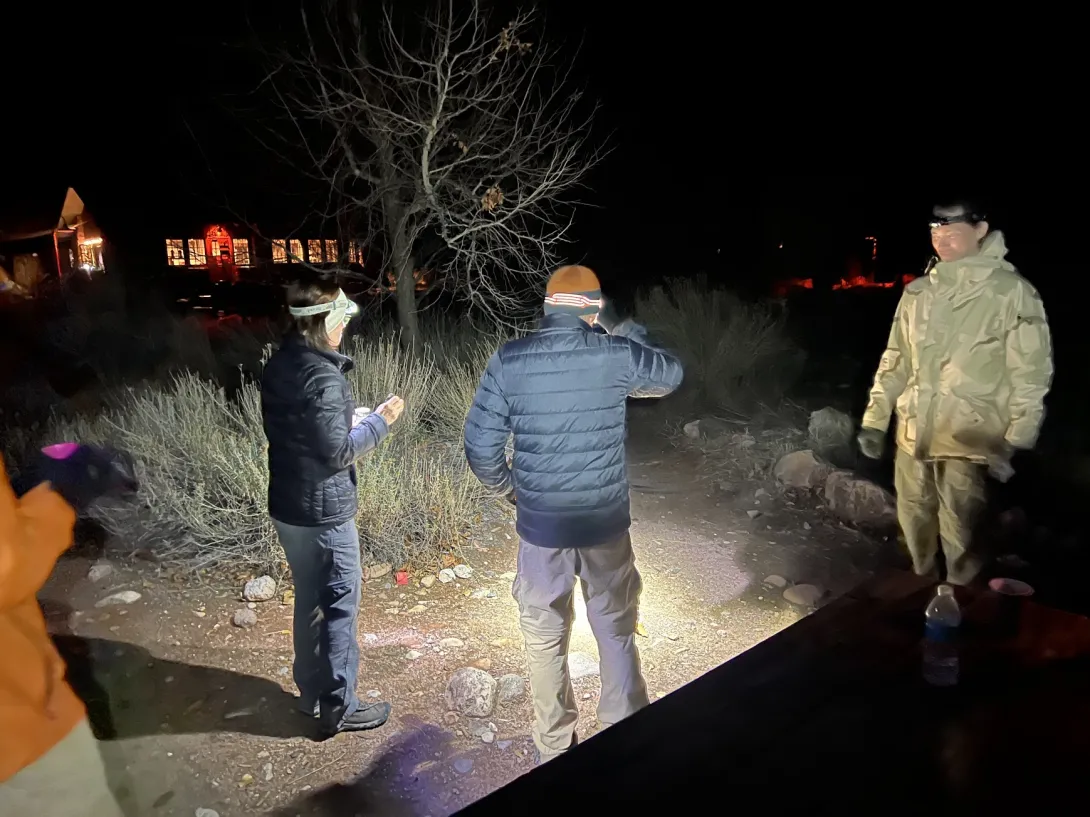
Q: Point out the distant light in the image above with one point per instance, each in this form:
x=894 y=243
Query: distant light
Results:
x=204 y=296
x=781 y=246
x=91 y=242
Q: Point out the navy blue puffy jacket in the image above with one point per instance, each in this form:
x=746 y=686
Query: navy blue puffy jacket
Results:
x=306 y=408
x=561 y=393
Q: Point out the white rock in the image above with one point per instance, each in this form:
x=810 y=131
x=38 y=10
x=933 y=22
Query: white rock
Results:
x=510 y=688
x=262 y=588
x=488 y=736
x=446 y=575
x=206 y=812
x=580 y=665
x=804 y=595
x=463 y=571
x=472 y=692
x=412 y=655
x=100 y=571
x=427 y=581
x=462 y=765
x=692 y=429
x=124 y=597
x=244 y=618
x=776 y=581
x=753 y=514
x=451 y=643
x=508 y=576
x=370 y=638
x=482 y=593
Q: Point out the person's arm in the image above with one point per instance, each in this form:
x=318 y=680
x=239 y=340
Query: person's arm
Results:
x=652 y=372
x=1029 y=367
x=891 y=378
x=338 y=444
x=487 y=428
x=35 y=530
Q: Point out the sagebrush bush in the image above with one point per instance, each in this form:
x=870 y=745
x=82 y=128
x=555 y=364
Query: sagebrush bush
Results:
x=202 y=462
x=736 y=354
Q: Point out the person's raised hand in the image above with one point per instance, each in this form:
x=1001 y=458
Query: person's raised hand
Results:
x=391 y=409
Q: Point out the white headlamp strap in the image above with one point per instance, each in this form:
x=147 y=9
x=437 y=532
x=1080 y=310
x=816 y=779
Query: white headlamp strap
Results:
x=340 y=311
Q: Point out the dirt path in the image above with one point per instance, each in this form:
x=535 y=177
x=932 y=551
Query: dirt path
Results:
x=201 y=711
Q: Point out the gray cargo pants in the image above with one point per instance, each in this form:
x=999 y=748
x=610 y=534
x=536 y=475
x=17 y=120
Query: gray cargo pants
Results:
x=544 y=587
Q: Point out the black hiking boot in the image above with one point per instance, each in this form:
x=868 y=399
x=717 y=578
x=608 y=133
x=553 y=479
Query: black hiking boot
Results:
x=368 y=716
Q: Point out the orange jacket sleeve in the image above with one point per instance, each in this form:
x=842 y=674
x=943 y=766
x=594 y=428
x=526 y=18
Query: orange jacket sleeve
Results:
x=35 y=530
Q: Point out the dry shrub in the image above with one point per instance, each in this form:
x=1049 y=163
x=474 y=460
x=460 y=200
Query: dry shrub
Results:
x=204 y=477
x=736 y=354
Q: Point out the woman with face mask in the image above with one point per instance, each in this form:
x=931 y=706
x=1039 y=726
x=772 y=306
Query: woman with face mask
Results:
x=315 y=436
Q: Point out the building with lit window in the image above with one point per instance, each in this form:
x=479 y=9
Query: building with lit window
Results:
x=47 y=235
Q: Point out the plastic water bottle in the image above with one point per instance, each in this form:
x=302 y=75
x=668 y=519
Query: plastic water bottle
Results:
x=940 y=648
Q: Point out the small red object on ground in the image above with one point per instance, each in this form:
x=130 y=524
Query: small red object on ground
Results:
x=402 y=577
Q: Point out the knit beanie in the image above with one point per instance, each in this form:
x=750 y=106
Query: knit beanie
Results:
x=573 y=290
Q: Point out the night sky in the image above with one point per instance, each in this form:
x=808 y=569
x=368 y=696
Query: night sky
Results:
x=729 y=138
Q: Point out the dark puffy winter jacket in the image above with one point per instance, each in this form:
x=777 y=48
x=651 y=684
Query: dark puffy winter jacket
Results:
x=561 y=393
x=306 y=408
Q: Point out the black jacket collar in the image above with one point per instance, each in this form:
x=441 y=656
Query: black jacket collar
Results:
x=342 y=362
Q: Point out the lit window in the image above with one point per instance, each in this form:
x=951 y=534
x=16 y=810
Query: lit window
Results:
x=90 y=255
x=314 y=251
x=331 y=249
x=197 y=257
x=242 y=252
x=280 y=251
x=175 y=252
x=296 y=248
x=355 y=252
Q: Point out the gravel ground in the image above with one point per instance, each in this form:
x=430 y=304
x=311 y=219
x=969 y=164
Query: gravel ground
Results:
x=200 y=713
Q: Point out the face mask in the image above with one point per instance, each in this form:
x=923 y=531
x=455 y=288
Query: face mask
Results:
x=340 y=311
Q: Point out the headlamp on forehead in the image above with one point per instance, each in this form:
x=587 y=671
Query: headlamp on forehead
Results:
x=963 y=217
x=338 y=312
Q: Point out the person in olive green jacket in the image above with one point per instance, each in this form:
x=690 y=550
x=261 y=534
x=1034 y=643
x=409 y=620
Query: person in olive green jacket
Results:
x=966 y=368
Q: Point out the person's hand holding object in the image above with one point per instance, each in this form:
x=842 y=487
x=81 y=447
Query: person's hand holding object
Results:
x=391 y=409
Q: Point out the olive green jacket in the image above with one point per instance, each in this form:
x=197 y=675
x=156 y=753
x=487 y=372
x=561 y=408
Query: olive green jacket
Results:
x=968 y=362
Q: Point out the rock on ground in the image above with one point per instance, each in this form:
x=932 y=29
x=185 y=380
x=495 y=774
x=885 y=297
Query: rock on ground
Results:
x=472 y=692
x=463 y=571
x=801 y=469
x=831 y=429
x=858 y=500
x=428 y=581
x=706 y=428
x=377 y=571
x=446 y=575
x=100 y=571
x=511 y=688
x=262 y=588
x=580 y=665
x=776 y=581
x=124 y=597
x=244 y=618
x=451 y=643
x=804 y=595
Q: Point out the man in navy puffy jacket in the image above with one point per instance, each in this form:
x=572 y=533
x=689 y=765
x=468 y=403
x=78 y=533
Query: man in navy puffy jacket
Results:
x=561 y=393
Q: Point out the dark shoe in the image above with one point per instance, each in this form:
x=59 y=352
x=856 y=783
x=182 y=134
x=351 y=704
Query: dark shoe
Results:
x=368 y=716
x=303 y=709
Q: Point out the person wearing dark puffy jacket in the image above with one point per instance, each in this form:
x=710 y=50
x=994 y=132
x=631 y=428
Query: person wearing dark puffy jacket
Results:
x=561 y=394
x=315 y=436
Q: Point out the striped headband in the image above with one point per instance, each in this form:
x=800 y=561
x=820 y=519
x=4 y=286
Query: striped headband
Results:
x=577 y=300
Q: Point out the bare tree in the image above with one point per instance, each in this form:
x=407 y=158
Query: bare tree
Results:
x=469 y=137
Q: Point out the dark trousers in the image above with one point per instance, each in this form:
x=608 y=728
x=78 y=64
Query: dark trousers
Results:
x=325 y=562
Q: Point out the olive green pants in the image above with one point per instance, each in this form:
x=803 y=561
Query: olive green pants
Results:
x=940 y=501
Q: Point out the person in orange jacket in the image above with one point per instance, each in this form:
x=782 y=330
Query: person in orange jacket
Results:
x=49 y=760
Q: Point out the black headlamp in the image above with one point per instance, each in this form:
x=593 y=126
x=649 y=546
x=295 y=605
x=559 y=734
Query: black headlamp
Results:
x=960 y=218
